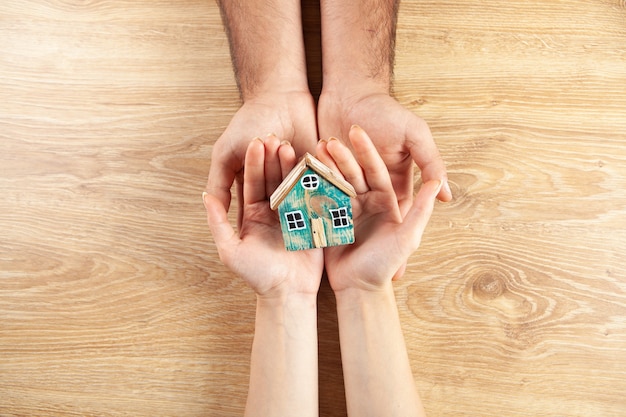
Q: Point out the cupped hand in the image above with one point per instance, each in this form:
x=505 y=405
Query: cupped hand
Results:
x=384 y=238
x=290 y=116
x=400 y=137
x=257 y=252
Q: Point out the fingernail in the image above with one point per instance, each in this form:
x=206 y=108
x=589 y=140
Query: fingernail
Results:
x=446 y=187
x=332 y=138
x=269 y=135
x=204 y=194
x=439 y=186
x=259 y=139
x=437 y=189
x=355 y=127
x=286 y=143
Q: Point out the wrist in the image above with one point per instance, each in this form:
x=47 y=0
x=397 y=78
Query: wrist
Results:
x=293 y=315
x=346 y=99
x=353 y=88
x=273 y=97
x=278 y=80
x=362 y=298
x=288 y=303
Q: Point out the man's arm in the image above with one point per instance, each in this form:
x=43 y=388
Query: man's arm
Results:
x=266 y=45
x=358 y=43
x=267 y=50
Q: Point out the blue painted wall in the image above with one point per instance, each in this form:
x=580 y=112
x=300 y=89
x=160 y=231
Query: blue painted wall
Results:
x=315 y=204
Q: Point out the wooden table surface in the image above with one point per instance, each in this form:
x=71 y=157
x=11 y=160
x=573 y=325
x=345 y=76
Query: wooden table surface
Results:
x=114 y=303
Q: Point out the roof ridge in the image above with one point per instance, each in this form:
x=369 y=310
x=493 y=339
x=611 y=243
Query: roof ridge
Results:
x=316 y=165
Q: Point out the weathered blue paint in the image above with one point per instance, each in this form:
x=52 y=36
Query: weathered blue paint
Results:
x=313 y=204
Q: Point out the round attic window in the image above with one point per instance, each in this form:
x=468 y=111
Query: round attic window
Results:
x=310 y=182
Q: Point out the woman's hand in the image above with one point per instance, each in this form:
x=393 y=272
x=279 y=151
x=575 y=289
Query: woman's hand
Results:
x=257 y=252
x=384 y=238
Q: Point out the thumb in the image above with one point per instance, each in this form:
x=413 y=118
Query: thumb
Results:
x=424 y=152
x=220 y=180
x=223 y=232
x=417 y=218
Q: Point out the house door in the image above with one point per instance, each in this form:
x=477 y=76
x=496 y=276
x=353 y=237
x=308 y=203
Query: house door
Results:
x=319 y=236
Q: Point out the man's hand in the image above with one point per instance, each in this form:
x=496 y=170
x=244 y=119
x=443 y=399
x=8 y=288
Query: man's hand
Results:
x=384 y=238
x=267 y=51
x=358 y=47
x=290 y=116
x=400 y=137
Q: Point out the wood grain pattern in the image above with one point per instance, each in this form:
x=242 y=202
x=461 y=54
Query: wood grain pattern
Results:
x=112 y=298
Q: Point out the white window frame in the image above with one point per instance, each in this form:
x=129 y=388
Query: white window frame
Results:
x=293 y=224
x=340 y=214
x=311 y=183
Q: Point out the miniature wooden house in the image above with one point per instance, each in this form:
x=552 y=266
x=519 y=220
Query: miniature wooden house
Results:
x=314 y=206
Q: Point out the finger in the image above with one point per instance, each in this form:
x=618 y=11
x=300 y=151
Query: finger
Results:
x=223 y=233
x=376 y=173
x=424 y=152
x=417 y=218
x=224 y=167
x=273 y=173
x=347 y=165
x=254 y=173
x=287 y=158
x=400 y=272
x=324 y=156
x=402 y=181
x=239 y=190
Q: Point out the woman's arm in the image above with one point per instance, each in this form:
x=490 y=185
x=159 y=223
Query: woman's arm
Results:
x=376 y=368
x=283 y=364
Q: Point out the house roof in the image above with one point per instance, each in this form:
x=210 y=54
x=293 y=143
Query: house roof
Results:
x=308 y=161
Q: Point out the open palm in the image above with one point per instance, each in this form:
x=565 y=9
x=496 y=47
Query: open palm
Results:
x=383 y=237
x=399 y=136
x=257 y=252
x=290 y=116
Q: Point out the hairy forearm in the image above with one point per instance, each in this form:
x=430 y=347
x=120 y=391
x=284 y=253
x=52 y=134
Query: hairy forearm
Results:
x=283 y=366
x=266 y=44
x=376 y=367
x=358 y=42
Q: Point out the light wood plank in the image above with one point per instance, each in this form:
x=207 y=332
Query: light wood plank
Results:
x=113 y=300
